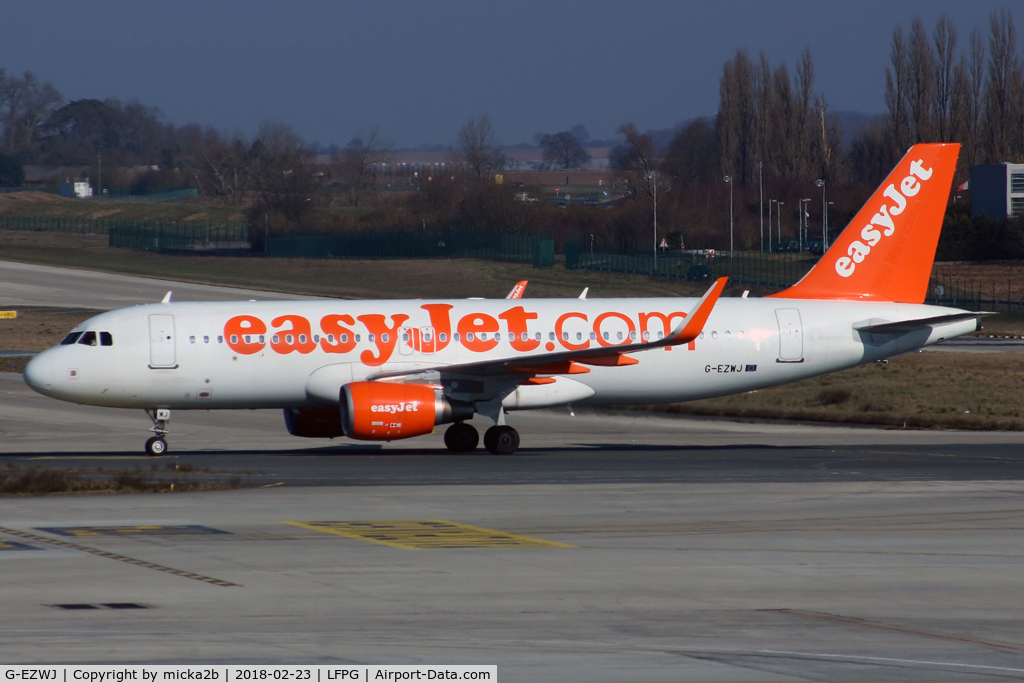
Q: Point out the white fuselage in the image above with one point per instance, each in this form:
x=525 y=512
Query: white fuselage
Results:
x=181 y=355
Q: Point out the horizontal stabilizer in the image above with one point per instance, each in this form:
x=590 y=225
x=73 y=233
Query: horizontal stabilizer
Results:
x=904 y=326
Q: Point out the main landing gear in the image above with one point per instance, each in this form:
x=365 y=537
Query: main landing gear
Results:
x=499 y=439
x=157 y=445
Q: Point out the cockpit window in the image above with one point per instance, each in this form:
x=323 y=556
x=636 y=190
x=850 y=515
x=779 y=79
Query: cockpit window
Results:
x=71 y=338
x=88 y=339
x=106 y=339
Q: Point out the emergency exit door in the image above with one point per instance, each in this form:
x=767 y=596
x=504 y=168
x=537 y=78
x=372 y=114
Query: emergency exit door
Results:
x=791 y=335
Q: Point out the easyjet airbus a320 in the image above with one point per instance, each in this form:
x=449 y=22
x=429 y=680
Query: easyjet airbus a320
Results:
x=387 y=370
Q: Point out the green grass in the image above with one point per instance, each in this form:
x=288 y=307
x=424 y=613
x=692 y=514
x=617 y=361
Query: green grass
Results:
x=354 y=279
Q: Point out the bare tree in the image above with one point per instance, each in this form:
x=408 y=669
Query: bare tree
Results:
x=945 y=53
x=283 y=173
x=920 y=90
x=976 y=73
x=25 y=104
x=222 y=169
x=1002 y=88
x=896 y=94
x=476 y=155
x=635 y=160
x=736 y=118
x=358 y=164
x=564 y=149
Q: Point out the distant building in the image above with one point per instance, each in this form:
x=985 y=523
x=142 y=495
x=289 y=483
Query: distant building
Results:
x=80 y=189
x=997 y=190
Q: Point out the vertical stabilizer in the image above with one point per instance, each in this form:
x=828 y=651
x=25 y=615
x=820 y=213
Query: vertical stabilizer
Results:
x=887 y=250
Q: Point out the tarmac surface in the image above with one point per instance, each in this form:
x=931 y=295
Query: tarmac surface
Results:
x=26 y=285
x=612 y=547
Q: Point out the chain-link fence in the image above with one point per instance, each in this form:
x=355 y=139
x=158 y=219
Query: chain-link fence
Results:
x=749 y=268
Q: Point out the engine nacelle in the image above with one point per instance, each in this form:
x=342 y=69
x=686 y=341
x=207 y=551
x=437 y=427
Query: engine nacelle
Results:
x=384 y=411
x=315 y=423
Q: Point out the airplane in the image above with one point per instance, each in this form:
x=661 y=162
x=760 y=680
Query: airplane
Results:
x=390 y=370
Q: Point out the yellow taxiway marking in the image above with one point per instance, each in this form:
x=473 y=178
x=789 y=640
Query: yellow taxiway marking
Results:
x=8 y=315
x=420 y=534
x=115 y=556
x=267 y=486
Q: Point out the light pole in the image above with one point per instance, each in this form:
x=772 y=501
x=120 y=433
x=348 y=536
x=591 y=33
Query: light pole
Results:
x=760 y=183
x=780 y=220
x=651 y=176
x=728 y=179
x=824 y=215
x=803 y=222
x=770 y=202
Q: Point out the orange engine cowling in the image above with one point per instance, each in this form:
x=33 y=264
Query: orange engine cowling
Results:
x=383 y=411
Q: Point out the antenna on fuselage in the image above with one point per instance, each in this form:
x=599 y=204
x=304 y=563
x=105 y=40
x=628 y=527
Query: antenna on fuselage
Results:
x=584 y=294
x=167 y=298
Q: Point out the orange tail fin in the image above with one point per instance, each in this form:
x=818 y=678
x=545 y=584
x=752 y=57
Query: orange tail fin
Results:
x=887 y=250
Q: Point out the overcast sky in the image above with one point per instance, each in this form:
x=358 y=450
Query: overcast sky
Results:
x=418 y=70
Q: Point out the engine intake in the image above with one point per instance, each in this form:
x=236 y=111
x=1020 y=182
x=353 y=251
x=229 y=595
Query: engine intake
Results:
x=314 y=423
x=383 y=411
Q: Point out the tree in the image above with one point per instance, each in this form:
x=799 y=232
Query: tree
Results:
x=635 y=160
x=476 y=155
x=1003 y=89
x=11 y=172
x=896 y=95
x=222 y=169
x=735 y=121
x=565 y=150
x=945 y=77
x=282 y=173
x=356 y=166
x=692 y=155
x=25 y=104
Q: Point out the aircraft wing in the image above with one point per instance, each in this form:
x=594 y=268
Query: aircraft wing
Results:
x=575 y=362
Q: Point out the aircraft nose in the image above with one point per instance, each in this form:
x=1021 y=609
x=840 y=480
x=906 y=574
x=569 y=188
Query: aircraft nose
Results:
x=39 y=372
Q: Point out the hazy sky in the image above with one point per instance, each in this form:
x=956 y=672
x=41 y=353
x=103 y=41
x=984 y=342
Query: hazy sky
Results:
x=418 y=70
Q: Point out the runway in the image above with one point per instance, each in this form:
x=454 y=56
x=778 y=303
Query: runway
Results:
x=615 y=546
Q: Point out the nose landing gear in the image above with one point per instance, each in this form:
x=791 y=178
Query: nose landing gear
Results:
x=157 y=445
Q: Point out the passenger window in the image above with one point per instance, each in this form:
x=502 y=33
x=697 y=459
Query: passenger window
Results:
x=192 y=339
x=88 y=339
x=234 y=339
x=220 y=339
x=359 y=338
x=565 y=336
x=370 y=338
x=106 y=339
x=71 y=338
x=302 y=339
x=469 y=336
x=632 y=336
x=261 y=339
x=206 y=339
x=383 y=338
x=443 y=337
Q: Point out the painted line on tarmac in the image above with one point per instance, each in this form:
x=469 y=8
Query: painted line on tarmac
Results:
x=421 y=534
x=119 y=558
x=134 y=530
